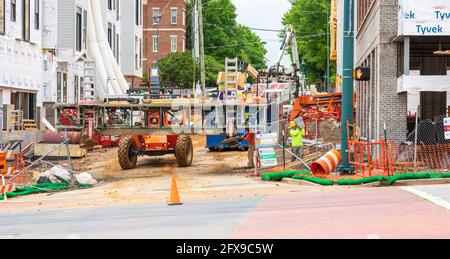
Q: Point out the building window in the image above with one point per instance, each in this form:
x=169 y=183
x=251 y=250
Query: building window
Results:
x=155 y=44
x=118 y=10
x=64 y=81
x=76 y=89
x=113 y=40
x=58 y=86
x=61 y=86
x=84 y=29
x=81 y=88
x=173 y=15
x=140 y=53
x=110 y=4
x=26 y=19
x=13 y=10
x=78 y=29
x=2 y=16
x=156 y=16
x=110 y=34
x=138 y=11
x=363 y=10
x=173 y=43
x=36 y=15
x=136 y=52
x=118 y=48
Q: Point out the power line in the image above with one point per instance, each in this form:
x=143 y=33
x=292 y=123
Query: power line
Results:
x=269 y=30
x=238 y=45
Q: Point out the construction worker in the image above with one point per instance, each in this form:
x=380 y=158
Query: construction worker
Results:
x=251 y=139
x=297 y=134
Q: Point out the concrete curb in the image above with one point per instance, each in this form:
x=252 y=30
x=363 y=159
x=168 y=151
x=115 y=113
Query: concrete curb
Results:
x=300 y=182
x=422 y=182
x=401 y=183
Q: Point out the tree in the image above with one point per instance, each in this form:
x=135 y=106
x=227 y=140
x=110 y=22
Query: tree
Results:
x=224 y=37
x=310 y=21
x=178 y=69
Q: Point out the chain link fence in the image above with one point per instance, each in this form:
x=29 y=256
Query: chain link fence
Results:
x=316 y=144
x=30 y=153
x=426 y=148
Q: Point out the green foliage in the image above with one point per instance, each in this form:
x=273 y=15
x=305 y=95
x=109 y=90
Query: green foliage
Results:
x=310 y=21
x=178 y=69
x=224 y=37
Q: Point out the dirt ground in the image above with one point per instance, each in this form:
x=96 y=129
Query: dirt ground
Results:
x=214 y=175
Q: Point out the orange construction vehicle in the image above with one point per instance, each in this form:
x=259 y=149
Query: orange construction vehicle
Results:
x=131 y=147
x=326 y=106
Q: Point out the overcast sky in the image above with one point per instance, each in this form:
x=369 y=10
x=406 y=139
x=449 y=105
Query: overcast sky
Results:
x=264 y=14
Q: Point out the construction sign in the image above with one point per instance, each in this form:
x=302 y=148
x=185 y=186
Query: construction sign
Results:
x=268 y=157
x=447 y=128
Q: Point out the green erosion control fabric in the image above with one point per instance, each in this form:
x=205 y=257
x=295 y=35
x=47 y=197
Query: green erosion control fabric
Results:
x=306 y=176
x=281 y=175
x=41 y=188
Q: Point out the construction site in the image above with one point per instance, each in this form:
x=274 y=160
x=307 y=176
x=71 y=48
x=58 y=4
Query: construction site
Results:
x=220 y=158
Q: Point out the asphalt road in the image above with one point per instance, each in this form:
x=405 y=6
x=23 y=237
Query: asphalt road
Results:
x=413 y=212
x=213 y=219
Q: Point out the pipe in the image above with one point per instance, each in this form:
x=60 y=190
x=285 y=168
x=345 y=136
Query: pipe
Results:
x=50 y=137
x=114 y=71
x=105 y=49
x=93 y=52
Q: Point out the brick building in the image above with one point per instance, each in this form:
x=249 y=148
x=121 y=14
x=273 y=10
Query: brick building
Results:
x=166 y=18
x=406 y=43
x=378 y=101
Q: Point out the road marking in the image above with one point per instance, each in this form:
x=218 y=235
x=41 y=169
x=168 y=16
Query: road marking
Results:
x=424 y=195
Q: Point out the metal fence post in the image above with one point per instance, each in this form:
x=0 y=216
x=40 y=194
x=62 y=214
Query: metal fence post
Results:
x=415 y=139
x=69 y=158
x=284 y=148
x=317 y=137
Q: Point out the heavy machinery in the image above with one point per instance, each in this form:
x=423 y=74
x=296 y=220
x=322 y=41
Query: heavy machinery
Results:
x=155 y=127
x=116 y=119
x=277 y=73
x=329 y=105
x=147 y=124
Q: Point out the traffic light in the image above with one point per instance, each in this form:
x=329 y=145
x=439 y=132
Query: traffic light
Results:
x=362 y=74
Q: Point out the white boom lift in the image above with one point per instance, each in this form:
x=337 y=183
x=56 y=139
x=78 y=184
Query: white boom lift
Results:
x=277 y=73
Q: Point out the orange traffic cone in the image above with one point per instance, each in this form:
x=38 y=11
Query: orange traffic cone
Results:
x=174 y=195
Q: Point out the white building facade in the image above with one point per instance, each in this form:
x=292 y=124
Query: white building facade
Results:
x=123 y=34
x=22 y=34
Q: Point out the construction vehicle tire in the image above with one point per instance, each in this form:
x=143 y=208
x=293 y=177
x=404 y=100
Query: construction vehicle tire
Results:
x=184 y=151
x=127 y=153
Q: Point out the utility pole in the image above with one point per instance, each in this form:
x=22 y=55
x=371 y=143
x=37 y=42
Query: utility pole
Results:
x=347 y=84
x=195 y=45
x=328 y=50
x=202 y=46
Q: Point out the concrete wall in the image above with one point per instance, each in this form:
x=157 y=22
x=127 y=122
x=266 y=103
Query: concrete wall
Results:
x=377 y=101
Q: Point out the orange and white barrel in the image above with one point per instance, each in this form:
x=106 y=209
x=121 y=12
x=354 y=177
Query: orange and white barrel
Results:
x=328 y=163
x=7 y=188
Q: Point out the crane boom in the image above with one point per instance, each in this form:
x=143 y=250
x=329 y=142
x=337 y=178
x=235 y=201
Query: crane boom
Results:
x=289 y=40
